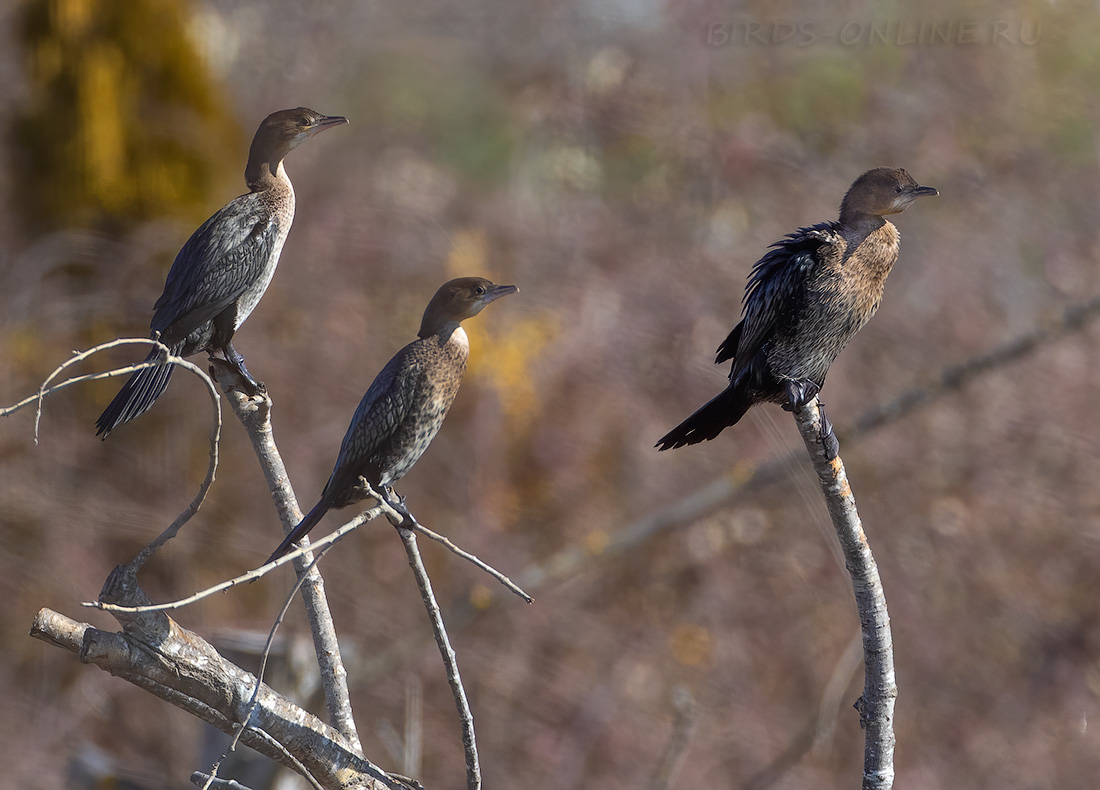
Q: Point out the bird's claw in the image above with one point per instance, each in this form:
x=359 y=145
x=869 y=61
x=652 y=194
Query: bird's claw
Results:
x=397 y=502
x=799 y=393
x=829 y=443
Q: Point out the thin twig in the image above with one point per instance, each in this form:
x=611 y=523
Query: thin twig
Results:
x=469 y=742
x=207 y=781
x=253 y=701
x=472 y=558
x=876 y=706
x=169 y=359
x=676 y=749
x=250 y=576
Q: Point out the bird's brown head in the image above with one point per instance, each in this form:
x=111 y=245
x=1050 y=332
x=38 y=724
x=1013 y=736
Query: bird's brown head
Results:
x=282 y=132
x=882 y=191
x=457 y=300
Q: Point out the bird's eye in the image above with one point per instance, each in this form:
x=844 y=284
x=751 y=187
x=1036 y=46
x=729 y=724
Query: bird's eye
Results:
x=303 y=121
x=480 y=290
x=898 y=189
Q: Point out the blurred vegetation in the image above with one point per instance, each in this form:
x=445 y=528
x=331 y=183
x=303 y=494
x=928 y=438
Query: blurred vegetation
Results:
x=625 y=174
x=117 y=96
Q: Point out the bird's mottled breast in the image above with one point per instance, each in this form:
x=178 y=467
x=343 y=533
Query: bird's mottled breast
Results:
x=445 y=363
x=279 y=204
x=438 y=365
x=867 y=267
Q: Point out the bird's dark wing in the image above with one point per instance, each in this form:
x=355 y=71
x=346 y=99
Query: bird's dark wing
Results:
x=220 y=260
x=776 y=286
x=385 y=405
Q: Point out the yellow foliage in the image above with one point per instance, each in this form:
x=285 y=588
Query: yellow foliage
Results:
x=118 y=114
x=480 y=596
x=596 y=542
x=692 y=645
x=742 y=472
x=504 y=360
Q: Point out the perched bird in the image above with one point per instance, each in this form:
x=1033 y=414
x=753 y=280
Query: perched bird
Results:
x=804 y=301
x=405 y=404
x=225 y=267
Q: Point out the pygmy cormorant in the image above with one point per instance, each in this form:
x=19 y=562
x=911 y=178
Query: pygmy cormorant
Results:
x=804 y=301
x=225 y=267
x=405 y=404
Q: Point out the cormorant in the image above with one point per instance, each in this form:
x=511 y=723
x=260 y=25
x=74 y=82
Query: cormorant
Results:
x=804 y=301
x=224 y=268
x=406 y=403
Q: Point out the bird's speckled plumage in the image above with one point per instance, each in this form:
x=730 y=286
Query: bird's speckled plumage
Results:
x=220 y=274
x=804 y=301
x=406 y=403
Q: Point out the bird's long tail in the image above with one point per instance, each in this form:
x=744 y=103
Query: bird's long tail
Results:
x=137 y=394
x=309 y=522
x=709 y=420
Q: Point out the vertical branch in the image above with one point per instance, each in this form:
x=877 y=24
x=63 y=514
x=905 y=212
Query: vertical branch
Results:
x=255 y=415
x=876 y=706
x=469 y=743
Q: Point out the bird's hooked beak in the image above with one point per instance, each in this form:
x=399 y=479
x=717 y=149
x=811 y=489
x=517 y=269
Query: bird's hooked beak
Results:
x=908 y=194
x=497 y=292
x=326 y=122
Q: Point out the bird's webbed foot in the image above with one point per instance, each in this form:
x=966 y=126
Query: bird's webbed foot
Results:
x=799 y=393
x=397 y=502
x=236 y=359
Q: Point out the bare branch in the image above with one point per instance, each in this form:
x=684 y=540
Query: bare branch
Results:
x=179 y=666
x=573 y=559
x=255 y=415
x=250 y=576
x=449 y=544
x=169 y=359
x=684 y=706
x=469 y=741
x=207 y=781
x=876 y=706
x=1073 y=318
x=254 y=701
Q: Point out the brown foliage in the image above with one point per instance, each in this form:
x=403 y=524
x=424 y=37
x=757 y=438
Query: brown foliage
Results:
x=625 y=175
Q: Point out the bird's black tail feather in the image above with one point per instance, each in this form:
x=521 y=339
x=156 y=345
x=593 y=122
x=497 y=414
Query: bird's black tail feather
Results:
x=709 y=420
x=136 y=395
x=300 y=531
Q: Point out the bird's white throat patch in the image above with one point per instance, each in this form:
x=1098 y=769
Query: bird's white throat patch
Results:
x=459 y=340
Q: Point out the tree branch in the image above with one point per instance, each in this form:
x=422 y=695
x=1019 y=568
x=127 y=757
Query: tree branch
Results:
x=574 y=559
x=177 y=665
x=170 y=359
x=876 y=706
x=255 y=415
x=439 y=630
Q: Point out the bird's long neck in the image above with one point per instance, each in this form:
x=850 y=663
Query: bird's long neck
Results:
x=265 y=168
x=875 y=254
x=855 y=228
x=451 y=335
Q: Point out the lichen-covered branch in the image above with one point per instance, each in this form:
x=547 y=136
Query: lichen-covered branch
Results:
x=876 y=706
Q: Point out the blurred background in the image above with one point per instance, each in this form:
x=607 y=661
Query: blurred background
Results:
x=624 y=163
